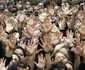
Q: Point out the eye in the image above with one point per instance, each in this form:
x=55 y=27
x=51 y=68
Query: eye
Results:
x=21 y=54
x=63 y=57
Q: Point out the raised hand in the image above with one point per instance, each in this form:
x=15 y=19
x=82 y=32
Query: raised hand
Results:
x=10 y=24
x=12 y=41
x=55 y=38
x=51 y=10
x=2 y=64
x=75 y=9
x=31 y=48
x=1 y=32
x=69 y=38
x=47 y=26
x=69 y=33
x=78 y=49
x=21 y=44
x=28 y=31
x=66 y=8
x=41 y=61
x=61 y=13
x=21 y=17
x=46 y=45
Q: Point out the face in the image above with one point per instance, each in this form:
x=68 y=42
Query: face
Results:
x=77 y=34
x=20 y=53
x=60 y=57
x=69 y=66
x=14 y=58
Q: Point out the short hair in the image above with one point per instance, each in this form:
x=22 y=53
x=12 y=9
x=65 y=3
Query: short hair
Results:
x=57 y=66
x=17 y=64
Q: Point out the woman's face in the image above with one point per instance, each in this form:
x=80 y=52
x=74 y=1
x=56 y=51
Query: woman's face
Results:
x=20 y=53
x=14 y=58
x=77 y=34
x=60 y=57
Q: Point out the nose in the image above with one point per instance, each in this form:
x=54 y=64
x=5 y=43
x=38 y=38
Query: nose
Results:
x=61 y=59
x=13 y=61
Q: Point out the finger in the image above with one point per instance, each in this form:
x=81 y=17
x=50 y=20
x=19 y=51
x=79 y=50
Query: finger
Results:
x=42 y=40
x=38 y=57
x=67 y=32
x=44 y=58
x=36 y=63
x=39 y=51
x=29 y=43
x=41 y=56
x=70 y=31
x=4 y=61
x=40 y=44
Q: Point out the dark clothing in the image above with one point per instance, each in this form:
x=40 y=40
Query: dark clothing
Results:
x=81 y=66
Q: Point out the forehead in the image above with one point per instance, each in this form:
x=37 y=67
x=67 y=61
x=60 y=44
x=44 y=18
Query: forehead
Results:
x=18 y=50
x=59 y=54
x=14 y=56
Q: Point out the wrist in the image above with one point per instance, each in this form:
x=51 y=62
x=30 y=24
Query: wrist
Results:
x=29 y=54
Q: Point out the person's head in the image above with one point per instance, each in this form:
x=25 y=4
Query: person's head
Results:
x=20 y=51
x=19 y=65
x=58 y=66
x=27 y=5
x=76 y=33
x=40 y=5
x=15 y=57
x=59 y=56
x=2 y=7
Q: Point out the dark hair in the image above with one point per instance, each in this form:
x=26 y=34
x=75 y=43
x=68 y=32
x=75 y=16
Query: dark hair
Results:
x=24 y=51
x=81 y=66
x=17 y=64
x=58 y=66
x=53 y=55
x=17 y=55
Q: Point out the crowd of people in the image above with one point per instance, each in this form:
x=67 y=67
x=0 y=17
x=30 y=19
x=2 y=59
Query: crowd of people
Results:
x=46 y=36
